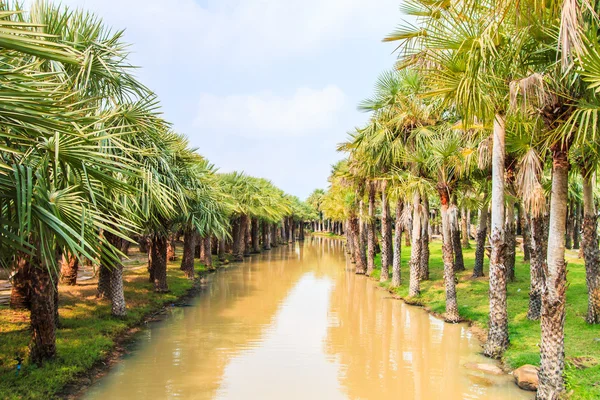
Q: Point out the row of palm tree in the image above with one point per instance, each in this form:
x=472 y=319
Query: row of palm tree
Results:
x=492 y=107
x=88 y=166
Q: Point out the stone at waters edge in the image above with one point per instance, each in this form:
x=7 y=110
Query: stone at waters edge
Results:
x=526 y=377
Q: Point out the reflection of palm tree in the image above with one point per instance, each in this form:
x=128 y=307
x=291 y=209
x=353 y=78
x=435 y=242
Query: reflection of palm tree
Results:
x=230 y=318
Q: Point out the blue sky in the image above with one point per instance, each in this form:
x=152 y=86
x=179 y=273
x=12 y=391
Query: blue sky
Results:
x=264 y=86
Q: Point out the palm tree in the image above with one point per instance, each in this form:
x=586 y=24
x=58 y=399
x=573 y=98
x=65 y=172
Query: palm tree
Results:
x=463 y=45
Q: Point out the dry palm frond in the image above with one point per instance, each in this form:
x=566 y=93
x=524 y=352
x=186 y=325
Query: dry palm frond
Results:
x=406 y=218
x=570 y=37
x=484 y=151
x=529 y=172
x=535 y=202
x=533 y=90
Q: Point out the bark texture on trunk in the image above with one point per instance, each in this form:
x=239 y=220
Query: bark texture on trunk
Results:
x=510 y=239
x=386 y=235
x=570 y=227
x=266 y=240
x=537 y=265
x=459 y=261
x=248 y=238
x=43 y=343
x=370 y=225
x=20 y=295
x=171 y=249
x=464 y=221
x=591 y=254
x=158 y=258
x=424 y=267
x=222 y=249
x=552 y=362
x=255 y=236
x=187 y=259
x=397 y=262
x=526 y=229
x=360 y=267
x=350 y=241
x=577 y=232
x=103 y=282
x=362 y=241
x=480 y=247
x=447 y=247
x=274 y=241
x=207 y=243
x=117 y=294
x=497 y=341
x=414 y=287
x=68 y=269
x=239 y=237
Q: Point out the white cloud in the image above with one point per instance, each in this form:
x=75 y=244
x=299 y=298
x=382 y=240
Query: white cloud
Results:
x=248 y=31
x=304 y=113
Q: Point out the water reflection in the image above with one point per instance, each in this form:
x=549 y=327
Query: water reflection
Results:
x=296 y=323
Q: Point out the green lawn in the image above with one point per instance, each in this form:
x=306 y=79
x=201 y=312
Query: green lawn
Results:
x=581 y=339
x=87 y=334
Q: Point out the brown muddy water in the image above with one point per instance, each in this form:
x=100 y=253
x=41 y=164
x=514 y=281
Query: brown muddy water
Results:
x=297 y=323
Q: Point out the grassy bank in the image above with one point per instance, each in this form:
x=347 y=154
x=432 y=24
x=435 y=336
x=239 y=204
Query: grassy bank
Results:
x=87 y=334
x=582 y=341
x=327 y=234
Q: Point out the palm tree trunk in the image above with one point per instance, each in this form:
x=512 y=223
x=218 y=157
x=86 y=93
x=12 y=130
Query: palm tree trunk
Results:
x=247 y=237
x=570 y=226
x=171 y=248
x=459 y=261
x=125 y=244
x=266 y=241
x=255 y=236
x=20 y=295
x=371 y=232
x=69 y=268
x=387 y=250
x=497 y=341
x=396 y=267
x=187 y=259
x=447 y=247
x=43 y=343
x=144 y=244
x=115 y=280
x=360 y=267
x=551 y=384
x=591 y=254
x=511 y=241
x=526 y=231
x=158 y=257
x=424 y=265
x=537 y=265
x=577 y=232
x=207 y=243
x=222 y=249
x=415 y=252
x=104 y=281
x=239 y=233
x=274 y=236
x=362 y=240
x=480 y=248
x=350 y=241
x=283 y=232
x=464 y=228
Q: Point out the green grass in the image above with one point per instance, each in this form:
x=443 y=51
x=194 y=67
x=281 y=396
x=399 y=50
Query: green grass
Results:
x=87 y=333
x=581 y=339
x=327 y=234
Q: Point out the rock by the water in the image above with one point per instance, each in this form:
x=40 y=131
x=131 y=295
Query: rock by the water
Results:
x=485 y=368
x=526 y=377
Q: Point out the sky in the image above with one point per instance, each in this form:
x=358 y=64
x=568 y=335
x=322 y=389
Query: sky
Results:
x=269 y=87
